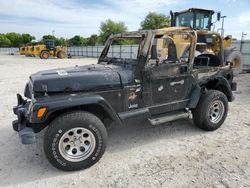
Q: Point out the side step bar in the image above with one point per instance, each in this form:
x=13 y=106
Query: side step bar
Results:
x=169 y=117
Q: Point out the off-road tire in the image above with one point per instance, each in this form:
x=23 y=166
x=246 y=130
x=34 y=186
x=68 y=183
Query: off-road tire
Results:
x=201 y=116
x=68 y=121
x=44 y=55
x=61 y=55
x=235 y=58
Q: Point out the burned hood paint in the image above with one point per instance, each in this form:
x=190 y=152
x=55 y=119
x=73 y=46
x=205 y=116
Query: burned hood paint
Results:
x=81 y=78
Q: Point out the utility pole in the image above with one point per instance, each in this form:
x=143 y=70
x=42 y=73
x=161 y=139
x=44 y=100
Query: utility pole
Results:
x=53 y=33
x=242 y=40
x=222 y=26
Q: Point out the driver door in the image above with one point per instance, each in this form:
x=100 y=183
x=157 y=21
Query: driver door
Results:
x=167 y=81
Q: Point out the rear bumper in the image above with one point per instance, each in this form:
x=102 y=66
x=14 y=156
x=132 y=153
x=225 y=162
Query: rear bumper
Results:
x=26 y=133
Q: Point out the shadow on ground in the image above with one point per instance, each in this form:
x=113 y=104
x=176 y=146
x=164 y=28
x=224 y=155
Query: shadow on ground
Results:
x=28 y=163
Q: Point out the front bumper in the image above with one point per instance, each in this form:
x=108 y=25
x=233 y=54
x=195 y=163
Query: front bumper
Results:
x=26 y=133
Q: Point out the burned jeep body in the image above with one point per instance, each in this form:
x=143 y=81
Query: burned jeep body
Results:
x=173 y=73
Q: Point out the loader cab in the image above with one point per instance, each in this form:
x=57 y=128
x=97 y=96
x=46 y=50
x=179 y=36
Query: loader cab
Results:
x=194 y=18
x=50 y=44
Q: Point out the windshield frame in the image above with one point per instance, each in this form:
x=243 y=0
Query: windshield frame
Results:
x=104 y=58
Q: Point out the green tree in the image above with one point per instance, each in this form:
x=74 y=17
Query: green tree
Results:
x=15 y=39
x=77 y=40
x=26 y=38
x=48 y=37
x=92 y=40
x=4 y=41
x=155 y=21
x=61 y=41
x=110 y=27
x=58 y=41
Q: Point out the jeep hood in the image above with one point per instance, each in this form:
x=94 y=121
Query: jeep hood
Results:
x=90 y=78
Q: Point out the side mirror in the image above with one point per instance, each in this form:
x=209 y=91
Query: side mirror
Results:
x=218 y=16
x=154 y=52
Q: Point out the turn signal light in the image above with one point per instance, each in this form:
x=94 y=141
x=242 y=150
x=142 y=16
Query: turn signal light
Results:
x=41 y=112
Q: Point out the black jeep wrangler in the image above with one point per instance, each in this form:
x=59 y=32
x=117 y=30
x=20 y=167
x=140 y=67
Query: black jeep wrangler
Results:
x=172 y=73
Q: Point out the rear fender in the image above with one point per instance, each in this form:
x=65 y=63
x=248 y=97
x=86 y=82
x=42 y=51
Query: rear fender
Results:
x=221 y=84
x=224 y=86
x=195 y=97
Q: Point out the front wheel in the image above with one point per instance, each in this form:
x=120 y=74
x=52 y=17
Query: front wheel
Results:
x=211 y=110
x=44 y=55
x=75 y=141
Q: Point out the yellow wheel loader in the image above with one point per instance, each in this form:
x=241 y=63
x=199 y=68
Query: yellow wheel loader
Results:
x=22 y=50
x=232 y=55
x=29 y=50
x=208 y=41
x=48 y=49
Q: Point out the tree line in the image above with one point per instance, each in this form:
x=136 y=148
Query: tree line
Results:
x=152 y=21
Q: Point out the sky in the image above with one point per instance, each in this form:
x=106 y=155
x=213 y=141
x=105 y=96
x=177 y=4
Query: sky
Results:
x=83 y=17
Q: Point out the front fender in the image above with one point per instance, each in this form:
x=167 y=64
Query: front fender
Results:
x=59 y=103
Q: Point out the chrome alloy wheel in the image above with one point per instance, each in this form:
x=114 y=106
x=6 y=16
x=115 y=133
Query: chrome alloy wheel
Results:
x=77 y=144
x=216 y=111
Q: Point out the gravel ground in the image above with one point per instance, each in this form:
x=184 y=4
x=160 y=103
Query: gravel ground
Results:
x=172 y=155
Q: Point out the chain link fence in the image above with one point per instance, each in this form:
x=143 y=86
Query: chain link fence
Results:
x=119 y=51
x=130 y=51
x=244 y=47
x=9 y=51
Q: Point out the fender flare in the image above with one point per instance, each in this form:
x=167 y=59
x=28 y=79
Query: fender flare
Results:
x=71 y=102
x=195 y=97
x=225 y=87
x=222 y=85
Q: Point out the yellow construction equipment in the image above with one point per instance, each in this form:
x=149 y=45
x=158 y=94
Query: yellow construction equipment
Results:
x=233 y=56
x=208 y=41
x=48 y=49
x=227 y=41
x=29 y=50
x=22 y=50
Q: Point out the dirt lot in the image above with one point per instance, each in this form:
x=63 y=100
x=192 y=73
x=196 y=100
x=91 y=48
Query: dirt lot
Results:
x=172 y=155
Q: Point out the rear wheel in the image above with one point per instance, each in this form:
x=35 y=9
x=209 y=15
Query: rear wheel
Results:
x=75 y=141
x=44 y=55
x=61 y=54
x=235 y=59
x=211 y=110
